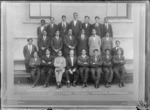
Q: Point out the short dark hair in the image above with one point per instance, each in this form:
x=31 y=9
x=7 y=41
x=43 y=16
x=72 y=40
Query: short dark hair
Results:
x=29 y=39
x=86 y=17
x=83 y=49
x=117 y=41
x=97 y=17
x=63 y=16
x=42 y=20
x=75 y=13
x=95 y=50
x=107 y=50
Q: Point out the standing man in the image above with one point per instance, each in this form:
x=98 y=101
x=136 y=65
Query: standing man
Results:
x=56 y=44
x=87 y=26
x=35 y=63
x=107 y=43
x=94 y=43
x=82 y=43
x=76 y=25
x=107 y=28
x=83 y=63
x=40 y=29
x=114 y=50
x=98 y=27
x=69 y=43
x=51 y=28
x=119 y=69
x=96 y=70
x=63 y=27
x=72 y=73
x=43 y=44
x=107 y=67
x=28 y=51
x=47 y=67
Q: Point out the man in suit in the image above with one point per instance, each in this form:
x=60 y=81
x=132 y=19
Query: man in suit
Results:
x=72 y=73
x=69 y=43
x=119 y=69
x=43 y=44
x=76 y=25
x=94 y=43
x=47 y=67
x=63 y=27
x=83 y=63
x=28 y=51
x=96 y=70
x=107 y=43
x=107 y=67
x=40 y=29
x=107 y=28
x=87 y=26
x=98 y=26
x=51 y=28
x=114 y=50
x=56 y=43
x=82 y=43
x=35 y=63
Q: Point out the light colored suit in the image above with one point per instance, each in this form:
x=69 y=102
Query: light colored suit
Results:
x=94 y=44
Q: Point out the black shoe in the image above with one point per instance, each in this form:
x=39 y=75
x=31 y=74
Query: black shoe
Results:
x=122 y=84
x=74 y=84
x=107 y=85
x=86 y=85
x=96 y=86
x=60 y=85
x=57 y=86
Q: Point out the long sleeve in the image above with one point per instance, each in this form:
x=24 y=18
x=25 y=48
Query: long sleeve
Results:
x=65 y=41
x=79 y=61
x=52 y=46
x=111 y=31
x=24 y=51
x=31 y=64
x=61 y=45
x=38 y=31
x=123 y=59
x=56 y=64
x=100 y=61
x=63 y=62
x=115 y=61
x=75 y=42
x=89 y=41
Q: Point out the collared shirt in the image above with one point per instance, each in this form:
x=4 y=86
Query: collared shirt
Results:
x=42 y=28
x=57 y=37
x=96 y=24
x=30 y=48
x=44 y=38
x=95 y=58
x=52 y=25
x=82 y=36
x=63 y=24
x=84 y=56
x=86 y=25
x=106 y=24
x=70 y=37
x=107 y=38
x=94 y=38
x=71 y=60
x=75 y=22
x=47 y=56
x=107 y=56
x=35 y=59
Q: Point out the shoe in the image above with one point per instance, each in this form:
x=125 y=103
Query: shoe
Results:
x=60 y=85
x=57 y=86
x=86 y=85
x=107 y=85
x=74 y=84
x=120 y=85
x=96 y=86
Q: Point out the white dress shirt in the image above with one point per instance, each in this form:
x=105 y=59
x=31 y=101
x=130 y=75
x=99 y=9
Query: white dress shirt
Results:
x=30 y=48
x=44 y=38
x=75 y=22
x=42 y=28
x=71 y=61
x=86 y=25
x=107 y=38
x=106 y=24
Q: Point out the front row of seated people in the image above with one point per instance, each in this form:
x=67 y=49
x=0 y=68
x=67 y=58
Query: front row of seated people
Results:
x=82 y=66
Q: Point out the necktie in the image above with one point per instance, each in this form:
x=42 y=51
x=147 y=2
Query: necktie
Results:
x=72 y=61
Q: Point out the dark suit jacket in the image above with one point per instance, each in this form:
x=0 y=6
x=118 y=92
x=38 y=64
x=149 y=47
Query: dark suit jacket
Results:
x=35 y=63
x=39 y=32
x=47 y=60
x=63 y=31
x=107 y=44
x=82 y=44
x=114 y=51
x=116 y=61
x=42 y=43
x=99 y=29
x=26 y=51
x=56 y=44
x=69 y=42
x=105 y=30
x=82 y=60
x=69 y=63
x=106 y=61
x=97 y=62
x=51 y=31
x=88 y=29
x=76 y=29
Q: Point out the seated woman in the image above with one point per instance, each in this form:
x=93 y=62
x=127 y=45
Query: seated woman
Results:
x=119 y=69
x=59 y=64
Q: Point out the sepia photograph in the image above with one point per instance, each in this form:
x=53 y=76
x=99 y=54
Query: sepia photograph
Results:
x=85 y=55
